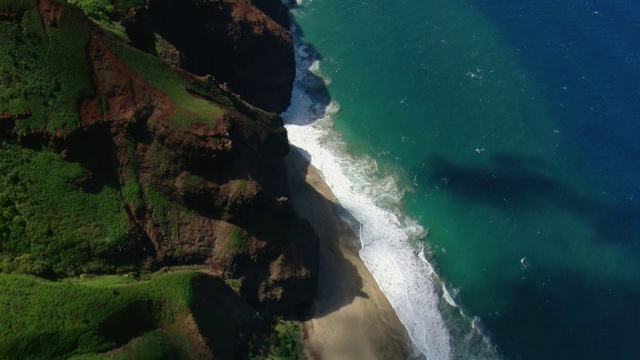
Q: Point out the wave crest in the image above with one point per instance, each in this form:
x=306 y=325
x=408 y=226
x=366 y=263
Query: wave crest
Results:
x=372 y=199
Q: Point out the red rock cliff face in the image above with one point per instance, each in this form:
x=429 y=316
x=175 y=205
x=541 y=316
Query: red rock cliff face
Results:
x=210 y=192
x=233 y=40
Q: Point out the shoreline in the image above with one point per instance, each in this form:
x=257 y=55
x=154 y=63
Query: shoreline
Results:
x=350 y=317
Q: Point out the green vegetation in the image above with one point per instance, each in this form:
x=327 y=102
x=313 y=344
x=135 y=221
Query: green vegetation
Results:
x=43 y=319
x=282 y=343
x=44 y=72
x=106 y=11
x=127 y=5
x=158 y=157
x=238 y=240
x=151 y=346
x=48 y=223
x=107 y=14
x=235 y=284
x=184 y=118
x=166 y=213
x=102 y=104
x=288 y=345
x=193 y=180
x=87 y=319
x=101 y=11
x=154 y=345
x=242 y=186
x=161 y=209
x=193 y=107
x=63 y=216
x=11 y=7
x=132 y=191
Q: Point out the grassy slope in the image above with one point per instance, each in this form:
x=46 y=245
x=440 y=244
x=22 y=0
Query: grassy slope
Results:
x=105 y=13
x=154 y=345
x=161 y=76
x=88 y=319
x=50 y=224
x=45 y=320
x=109 y=14
x=45 y=73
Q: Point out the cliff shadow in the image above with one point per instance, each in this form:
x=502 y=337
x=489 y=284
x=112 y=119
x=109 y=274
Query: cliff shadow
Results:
x=339 y=281
x=310 y=96
x=548 y=302
x=582 y=59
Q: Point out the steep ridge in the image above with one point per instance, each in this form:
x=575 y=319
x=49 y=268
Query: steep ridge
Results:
x=237 y=43
x=112 y=161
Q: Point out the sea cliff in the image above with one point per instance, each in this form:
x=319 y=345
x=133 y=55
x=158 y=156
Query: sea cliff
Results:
x=133 y=141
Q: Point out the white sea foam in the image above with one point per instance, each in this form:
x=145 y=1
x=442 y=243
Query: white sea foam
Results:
x=315 y=67
x=447 y=297
x=407 y=280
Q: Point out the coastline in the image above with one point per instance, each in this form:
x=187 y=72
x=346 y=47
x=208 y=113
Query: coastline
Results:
x=350 y=317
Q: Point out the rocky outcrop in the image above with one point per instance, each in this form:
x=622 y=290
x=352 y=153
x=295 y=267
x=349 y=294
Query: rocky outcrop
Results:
x=233 y=40
x=275 y=9
x=206 y=189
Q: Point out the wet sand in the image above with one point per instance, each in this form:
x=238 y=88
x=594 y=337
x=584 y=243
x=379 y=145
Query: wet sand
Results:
x=350 y=317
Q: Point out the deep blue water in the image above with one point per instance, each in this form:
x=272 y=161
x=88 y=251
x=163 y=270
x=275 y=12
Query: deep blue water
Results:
x=510 y=128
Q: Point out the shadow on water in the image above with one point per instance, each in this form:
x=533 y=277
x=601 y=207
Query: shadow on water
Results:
x=310 y=89
x=339 y=282
x=513 y=184
x=585 y=57
x=552 y=312
x=570 y=317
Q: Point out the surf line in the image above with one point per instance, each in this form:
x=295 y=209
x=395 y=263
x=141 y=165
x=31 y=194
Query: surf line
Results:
x=407 y=281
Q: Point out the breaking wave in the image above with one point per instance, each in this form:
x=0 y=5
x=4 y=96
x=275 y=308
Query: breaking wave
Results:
x=373 y=199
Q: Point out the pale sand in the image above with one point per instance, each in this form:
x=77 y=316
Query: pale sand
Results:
x=350 y=317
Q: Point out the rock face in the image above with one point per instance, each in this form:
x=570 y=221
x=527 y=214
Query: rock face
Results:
x=198 y=189
x=233 y=40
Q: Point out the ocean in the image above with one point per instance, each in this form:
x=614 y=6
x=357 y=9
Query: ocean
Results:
x=486 y=152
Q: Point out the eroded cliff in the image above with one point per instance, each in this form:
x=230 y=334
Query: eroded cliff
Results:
x=232 y=40
x=113 y=161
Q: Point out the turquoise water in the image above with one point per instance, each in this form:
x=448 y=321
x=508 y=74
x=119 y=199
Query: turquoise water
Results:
x=507 y=131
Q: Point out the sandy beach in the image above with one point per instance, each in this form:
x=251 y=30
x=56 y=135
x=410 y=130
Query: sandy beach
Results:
x=350 y=317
